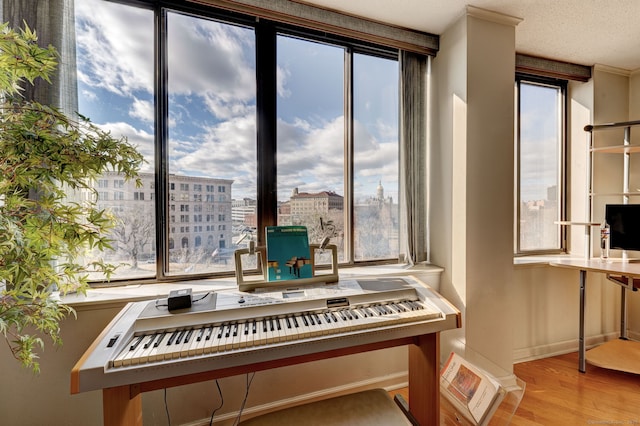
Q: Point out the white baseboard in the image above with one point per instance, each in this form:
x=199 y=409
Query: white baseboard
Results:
x=560 y=348
x=389 y=383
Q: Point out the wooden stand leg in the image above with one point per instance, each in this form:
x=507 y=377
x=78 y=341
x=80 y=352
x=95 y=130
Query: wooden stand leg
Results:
x=424 y=376
x=121 y=406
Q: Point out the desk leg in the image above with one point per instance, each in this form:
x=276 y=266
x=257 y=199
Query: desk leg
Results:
x=623 y=311
x=121 y=406
x=424 y=376
x=582 y=361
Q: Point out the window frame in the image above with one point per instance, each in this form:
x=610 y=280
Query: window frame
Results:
x=266 y=33
x=562 y=85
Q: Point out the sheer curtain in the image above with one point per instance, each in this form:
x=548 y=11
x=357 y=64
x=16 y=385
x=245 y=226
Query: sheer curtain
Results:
x=53 y=21
x=413 y=157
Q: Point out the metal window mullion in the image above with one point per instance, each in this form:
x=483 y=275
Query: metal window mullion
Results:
x=161 y=101
x=266 y=137
x=349 y=240
x=518 y=166
x=562 y=184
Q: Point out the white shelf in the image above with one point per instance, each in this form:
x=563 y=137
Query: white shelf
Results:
x=615 y=194
x=572 y=223
x=617 y=149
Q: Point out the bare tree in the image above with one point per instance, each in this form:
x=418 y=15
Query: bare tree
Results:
x=134 y=232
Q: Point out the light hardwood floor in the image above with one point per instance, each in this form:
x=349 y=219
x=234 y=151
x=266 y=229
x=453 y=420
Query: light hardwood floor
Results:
x=558 y=394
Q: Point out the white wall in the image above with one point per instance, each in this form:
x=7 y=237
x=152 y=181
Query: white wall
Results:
x=472 y=190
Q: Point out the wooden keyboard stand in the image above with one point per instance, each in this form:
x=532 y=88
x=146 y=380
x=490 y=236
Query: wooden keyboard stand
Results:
x=122 y=405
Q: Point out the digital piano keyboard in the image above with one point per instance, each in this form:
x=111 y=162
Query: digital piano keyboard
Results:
x=224 y=329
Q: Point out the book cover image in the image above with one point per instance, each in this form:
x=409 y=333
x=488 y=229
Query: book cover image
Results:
x=467 y=388
x=288 y=253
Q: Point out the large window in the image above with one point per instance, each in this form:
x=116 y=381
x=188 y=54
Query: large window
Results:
x=311 y=136
x=376 y=157
x=116 y=91
x=211 y=137
x=540 y=180
x=225 y=107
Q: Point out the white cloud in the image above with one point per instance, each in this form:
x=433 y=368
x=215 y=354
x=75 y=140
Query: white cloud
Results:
x=87 y=94
x=118 y=42
x=227 y=151
x=282 y=75
x=144 y=141
x=207 y=59
x=142 y=110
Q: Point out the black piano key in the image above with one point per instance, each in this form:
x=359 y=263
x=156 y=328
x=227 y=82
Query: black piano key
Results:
x=136 y=342
x=188 y=336
x=235 y=329
x=159 y=339
x=200 y=334
x=173 y=337
x=150 y=341
x=209 y=333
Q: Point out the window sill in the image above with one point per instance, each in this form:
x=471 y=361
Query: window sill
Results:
x=99 y=298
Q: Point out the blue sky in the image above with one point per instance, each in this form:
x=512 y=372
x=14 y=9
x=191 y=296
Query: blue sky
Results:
x=212 y=101
x=539 y=141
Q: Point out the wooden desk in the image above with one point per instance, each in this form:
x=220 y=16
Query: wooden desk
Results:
x=625 y=274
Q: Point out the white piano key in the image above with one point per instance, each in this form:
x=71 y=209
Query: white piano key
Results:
x=235 y=335
x=211 y=339
x=196 y=341
x=159 y=345
x=245 y=338
x=155 y=348
x=271 y=333
x=147 y=345
x=288 y=329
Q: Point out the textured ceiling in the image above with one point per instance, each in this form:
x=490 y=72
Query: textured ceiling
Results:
x=587 y=32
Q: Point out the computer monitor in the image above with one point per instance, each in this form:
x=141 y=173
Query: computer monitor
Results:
x=624 y=221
